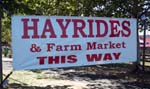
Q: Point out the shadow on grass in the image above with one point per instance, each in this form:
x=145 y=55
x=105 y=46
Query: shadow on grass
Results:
x=136 y=85
x=118 y=72
x=100 y=72
x=19 y=86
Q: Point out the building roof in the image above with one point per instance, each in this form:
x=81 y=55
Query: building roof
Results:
x=147 y=41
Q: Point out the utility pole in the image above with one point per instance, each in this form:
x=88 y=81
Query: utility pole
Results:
x=144 y=47
x=146 y=8
x=1 y=64
x=3 y=8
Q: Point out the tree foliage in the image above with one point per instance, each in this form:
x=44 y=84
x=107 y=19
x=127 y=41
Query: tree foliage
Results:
x=98 y=8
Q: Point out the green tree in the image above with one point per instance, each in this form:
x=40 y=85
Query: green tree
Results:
x=99 y=8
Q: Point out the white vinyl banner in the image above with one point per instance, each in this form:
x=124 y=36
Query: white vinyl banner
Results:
x=40 y=42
